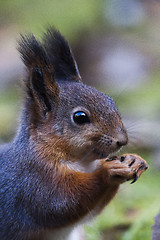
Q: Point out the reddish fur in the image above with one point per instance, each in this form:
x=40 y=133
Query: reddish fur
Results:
x=41 y=189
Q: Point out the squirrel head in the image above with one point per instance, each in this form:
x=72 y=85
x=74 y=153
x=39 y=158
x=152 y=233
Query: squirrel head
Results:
x=65 y=117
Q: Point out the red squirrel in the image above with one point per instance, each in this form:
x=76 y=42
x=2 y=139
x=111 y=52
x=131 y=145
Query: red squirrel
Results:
x=57 y=169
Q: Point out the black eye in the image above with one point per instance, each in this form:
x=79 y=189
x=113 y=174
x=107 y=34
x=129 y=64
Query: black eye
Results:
x=81 y=117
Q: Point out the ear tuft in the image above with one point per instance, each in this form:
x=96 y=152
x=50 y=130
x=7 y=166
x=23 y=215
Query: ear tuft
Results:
x=61 y=56
x=40 y=83
x=32 y=52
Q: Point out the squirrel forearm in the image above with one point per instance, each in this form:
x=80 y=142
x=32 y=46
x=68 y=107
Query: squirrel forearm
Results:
x=79 y=193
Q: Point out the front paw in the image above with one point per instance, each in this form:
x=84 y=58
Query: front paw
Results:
x=125 y=167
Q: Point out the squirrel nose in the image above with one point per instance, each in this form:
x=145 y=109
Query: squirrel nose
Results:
x=122 y=139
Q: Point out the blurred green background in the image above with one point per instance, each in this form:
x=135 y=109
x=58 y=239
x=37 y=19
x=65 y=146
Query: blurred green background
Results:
x=117 y=47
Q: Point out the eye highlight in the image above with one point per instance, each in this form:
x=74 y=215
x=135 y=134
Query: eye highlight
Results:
x=81 y=117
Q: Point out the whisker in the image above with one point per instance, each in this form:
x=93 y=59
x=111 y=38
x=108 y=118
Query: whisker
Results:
x=135 y=138
x=132 y=123
x=86 y=155
x=121 y=93
x=133 y=128
x=133 y=132
x=137 y=124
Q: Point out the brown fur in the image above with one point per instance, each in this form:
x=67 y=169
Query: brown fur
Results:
x=55 y=171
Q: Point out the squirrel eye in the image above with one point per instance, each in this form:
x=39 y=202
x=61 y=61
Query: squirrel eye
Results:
x=81 y=117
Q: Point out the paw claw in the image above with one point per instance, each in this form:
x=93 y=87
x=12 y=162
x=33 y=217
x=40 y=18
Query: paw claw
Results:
x=143 y=167
x=122 y=158
x=135 y=179
x=132 y=163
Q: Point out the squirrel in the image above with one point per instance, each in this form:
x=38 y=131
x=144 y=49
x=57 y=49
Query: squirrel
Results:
x=57 y=170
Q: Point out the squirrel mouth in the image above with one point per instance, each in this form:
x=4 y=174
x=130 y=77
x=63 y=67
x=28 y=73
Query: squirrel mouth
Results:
x=101 y=154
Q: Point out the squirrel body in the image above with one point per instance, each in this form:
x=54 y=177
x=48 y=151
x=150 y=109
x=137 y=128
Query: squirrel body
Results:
x=54 y=173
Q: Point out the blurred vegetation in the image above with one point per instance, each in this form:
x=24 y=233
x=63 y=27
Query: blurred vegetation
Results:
x=9 y=108
x=144 y=100
x=130 y=215
x=69 y=16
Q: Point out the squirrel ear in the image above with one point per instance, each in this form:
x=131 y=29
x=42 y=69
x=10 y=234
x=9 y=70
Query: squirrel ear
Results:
x=40 y=84
x=61 y=56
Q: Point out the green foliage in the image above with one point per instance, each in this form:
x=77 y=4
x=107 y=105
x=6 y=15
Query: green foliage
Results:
x=69 y=16
x=144 y=99
x=9 y=112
